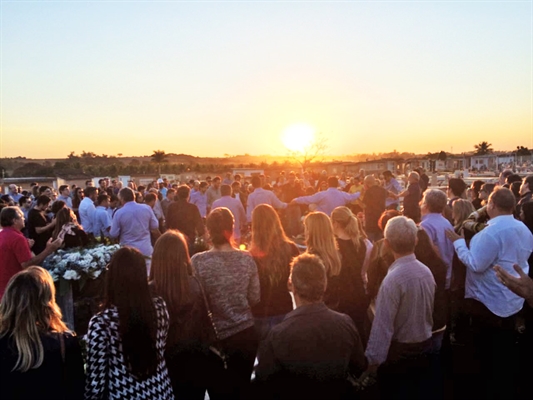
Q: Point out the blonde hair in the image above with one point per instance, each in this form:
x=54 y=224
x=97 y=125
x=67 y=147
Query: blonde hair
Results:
x=27 y=309
x=461 y=210
x=320 y=241
x=270 y=246
x=349 y=224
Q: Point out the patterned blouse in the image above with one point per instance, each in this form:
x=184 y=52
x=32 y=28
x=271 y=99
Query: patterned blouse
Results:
x=107 y=373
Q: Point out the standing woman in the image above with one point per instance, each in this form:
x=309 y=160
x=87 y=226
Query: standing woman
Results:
x=354 y=251
x=320 y=241
x=172 y=278
x=273 y=252
x=68 y=228
x=76 y=200
x=231 y=284
x=126 y=341
x=39 y=357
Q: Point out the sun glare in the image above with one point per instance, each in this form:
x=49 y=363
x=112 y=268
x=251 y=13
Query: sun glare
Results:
x=297 y=137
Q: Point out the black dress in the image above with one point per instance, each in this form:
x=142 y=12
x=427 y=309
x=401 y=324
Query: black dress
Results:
x=54 y=379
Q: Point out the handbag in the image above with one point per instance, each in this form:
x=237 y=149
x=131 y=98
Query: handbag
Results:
x=214 y=348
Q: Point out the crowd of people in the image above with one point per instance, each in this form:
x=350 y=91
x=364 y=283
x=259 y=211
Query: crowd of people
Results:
x=309 y=286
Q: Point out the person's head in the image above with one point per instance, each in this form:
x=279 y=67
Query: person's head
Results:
x=476 y=187
x=8 y=200
x=102 y=200
x=25 y=202
x=171 y=193
x=461 y=209
x=45 y=190
x=486 y=190
x=256 y=181
x=63 y=217
x=320 y=240
x=42 y=202
x=28 y=308
x=527 y=185
x=91 y=192
x=64 y=190
x=170 y=270
x=456 y=188
x=79 y=193
x=344 y=221
x=333 y=182
x=203 y=186
x=513 y=178
x=308 y=278
x=216 y=182
x=501 y=202
x=57 y=206
x=150 y=199
x=89 y=183
x=113 y=201
x=414 y=177
x=236 y=187
x=515 y=188
x=386 y=216
x=400 y=235
x=126 y=288
x=126 y=195
x=183 y=192
x=237 y=177
x=225 y=190
x=387 y=175
x=13 y=189
x=219 y=224
x=434 y=201
x=12 y=217
x=369 y=181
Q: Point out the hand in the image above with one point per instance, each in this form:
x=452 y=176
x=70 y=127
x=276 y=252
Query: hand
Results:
x=450 y=234
x=522 y=286
x=56 y=244
x=31 y=242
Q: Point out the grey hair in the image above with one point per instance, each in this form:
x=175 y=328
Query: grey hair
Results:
x=436 y=200
x=401 y=233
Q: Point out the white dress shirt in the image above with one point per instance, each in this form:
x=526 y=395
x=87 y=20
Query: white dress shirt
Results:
x=262 y=196
x=86 y=211
x=504 y=242
x=328 y=200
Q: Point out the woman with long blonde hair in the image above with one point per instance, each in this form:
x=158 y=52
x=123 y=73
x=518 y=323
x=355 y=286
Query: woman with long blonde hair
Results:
x=355 y=251
x=40 y=357
x=273 y=252
x=320 y=241
x=172 y=278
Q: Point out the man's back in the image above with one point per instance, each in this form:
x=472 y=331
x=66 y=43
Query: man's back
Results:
x=310 y=353
x=186 y=218
x=374 y=200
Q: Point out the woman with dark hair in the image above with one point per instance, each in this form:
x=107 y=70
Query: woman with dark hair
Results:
x=229 y=277
x=39 y=357
x=69 y=230
x=172 y=278
x=273 y=252
x=126 y=340
x=76 y=199
x=354 y=248
x=476 y=187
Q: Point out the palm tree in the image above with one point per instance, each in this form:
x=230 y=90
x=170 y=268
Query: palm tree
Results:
x=159 y=157
x=483 y=148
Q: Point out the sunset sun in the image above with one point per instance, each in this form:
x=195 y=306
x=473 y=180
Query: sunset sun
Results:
x=297 y=137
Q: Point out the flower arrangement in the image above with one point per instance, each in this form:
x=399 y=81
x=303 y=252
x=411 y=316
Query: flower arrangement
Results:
x=79 y=263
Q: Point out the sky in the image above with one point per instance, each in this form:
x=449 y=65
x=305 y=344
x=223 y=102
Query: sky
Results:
x=228 y=77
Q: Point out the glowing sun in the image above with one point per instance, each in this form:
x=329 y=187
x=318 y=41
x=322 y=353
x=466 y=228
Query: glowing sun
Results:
x=297 y=137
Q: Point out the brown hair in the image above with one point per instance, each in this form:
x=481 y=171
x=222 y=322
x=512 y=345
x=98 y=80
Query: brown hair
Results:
x=64 y=216
x=220 y=226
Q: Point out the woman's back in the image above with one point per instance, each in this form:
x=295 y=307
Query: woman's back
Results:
x=107 y=371
x=53 y=379
x=352 y=297
x=231 y=285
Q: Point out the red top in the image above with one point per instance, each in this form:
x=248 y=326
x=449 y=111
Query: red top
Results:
x=15 y=250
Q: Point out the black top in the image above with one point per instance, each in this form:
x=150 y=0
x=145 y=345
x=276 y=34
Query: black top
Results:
x=79 y=239
x=37 y=220
x=275 y=300
x=352 y=297
x=53 y=379
x=186 y=218
x=309 y=355
x=411 y=207
x=374 y=201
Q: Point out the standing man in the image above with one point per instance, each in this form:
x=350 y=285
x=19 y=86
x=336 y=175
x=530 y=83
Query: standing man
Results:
x=374 y=200
x=39 y=227
x=213 y=193
x=133 y=223
x=13 y=192
x=526 y=194
x=15 y=248
x=261 y=196
x=102 y=220
x=236 y=208
x=494 y=308
x=199 y=198
x=64 y=194
x=393 y=186
x=87 y=208
x=400 y=339
x=167 y=201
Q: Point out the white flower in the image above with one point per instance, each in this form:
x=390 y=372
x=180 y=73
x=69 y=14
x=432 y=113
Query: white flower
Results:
x=71 y=275
x=96 y=274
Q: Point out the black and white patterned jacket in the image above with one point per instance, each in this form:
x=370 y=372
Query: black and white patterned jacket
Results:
x=107 y=373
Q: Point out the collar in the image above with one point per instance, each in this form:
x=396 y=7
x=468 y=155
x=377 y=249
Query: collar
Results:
x=307 y=309
x=10 y=228
x=500 y=218
x=402 y=260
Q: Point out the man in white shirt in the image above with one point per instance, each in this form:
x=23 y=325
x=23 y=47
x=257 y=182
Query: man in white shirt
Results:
x=261 y=196
x=329 y=199
x=87 y=208
x=236 y=208
x=493 y=308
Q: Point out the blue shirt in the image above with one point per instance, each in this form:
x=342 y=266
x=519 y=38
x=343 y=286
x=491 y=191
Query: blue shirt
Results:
x=132 y=224
x=200 y=201
x=504 y=242
x=328 y=200
x=101 y=221
x=66 y=199
x=436 y=226
x=394 y=187
x=262 y=196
